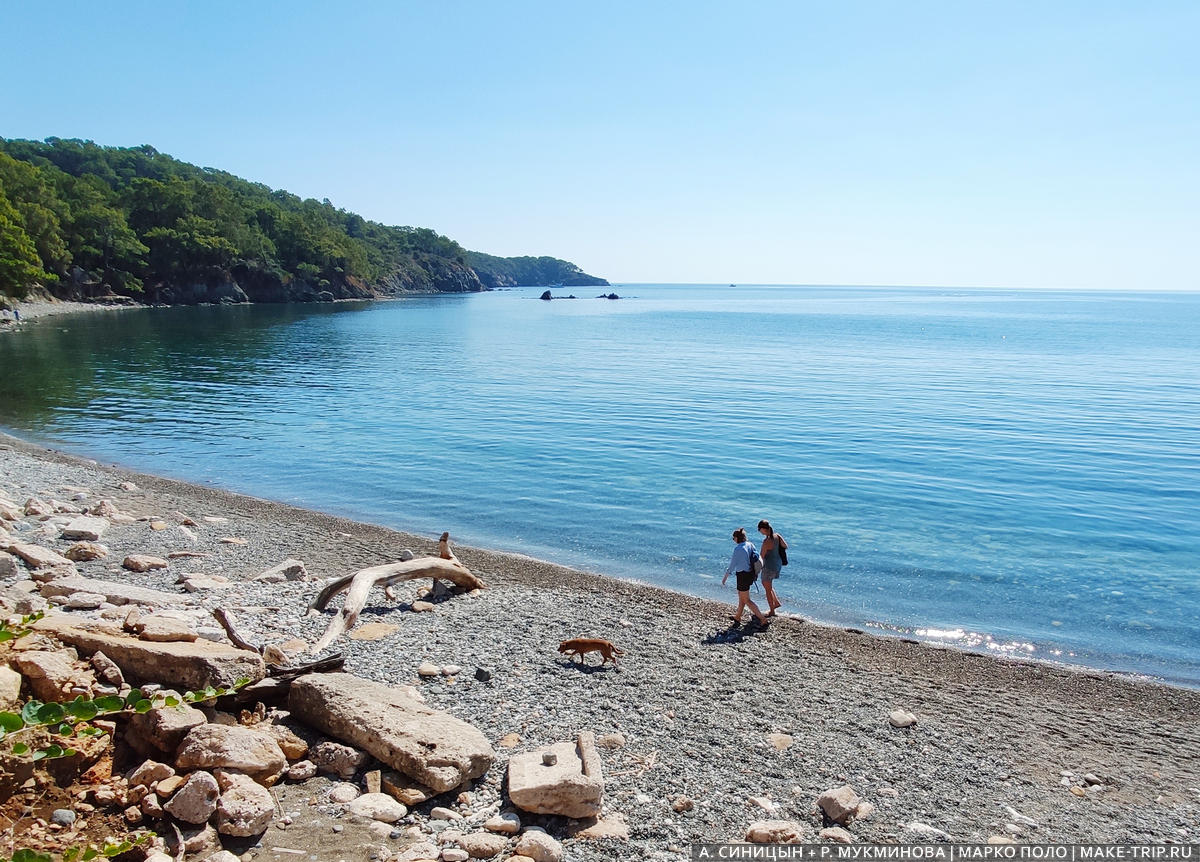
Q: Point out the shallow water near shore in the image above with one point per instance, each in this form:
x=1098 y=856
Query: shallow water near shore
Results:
x=1011 y=471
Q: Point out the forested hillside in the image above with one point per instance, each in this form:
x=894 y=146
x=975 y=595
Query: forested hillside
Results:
x=84 y=220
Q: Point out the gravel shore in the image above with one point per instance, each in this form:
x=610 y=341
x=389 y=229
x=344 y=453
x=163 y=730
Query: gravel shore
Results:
x=716 y=715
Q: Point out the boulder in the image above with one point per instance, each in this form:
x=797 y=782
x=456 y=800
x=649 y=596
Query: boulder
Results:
x=292 y=746
x=377 y=806
x=144 y=563
x=437 y=749
x=8 y=566
x=164 y=629
x=539 y=846
x=159 y=731
x=10 y=688
x=209 y=746
x=115 y=593
x=83 y=552
x=483 y=845
x=776 y=832
x=839 y=804
x=288 y=570
x=568 y=782
x=85 y=528
x=52 y=675
x=196 y=800
x=37 y=557
x=193 y=665
x=245 y=807
x=333 y=758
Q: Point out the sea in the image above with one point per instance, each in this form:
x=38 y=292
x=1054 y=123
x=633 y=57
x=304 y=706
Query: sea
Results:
x=1012 y=472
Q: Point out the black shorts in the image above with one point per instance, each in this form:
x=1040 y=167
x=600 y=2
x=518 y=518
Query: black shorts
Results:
x=745 y=581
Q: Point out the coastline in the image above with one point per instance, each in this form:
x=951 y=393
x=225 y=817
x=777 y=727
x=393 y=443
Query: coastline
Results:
x=993 y=735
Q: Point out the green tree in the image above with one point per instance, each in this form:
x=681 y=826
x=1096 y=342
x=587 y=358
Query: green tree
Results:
x=20 y=266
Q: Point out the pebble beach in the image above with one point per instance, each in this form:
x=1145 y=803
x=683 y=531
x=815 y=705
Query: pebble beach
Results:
x=717 y=728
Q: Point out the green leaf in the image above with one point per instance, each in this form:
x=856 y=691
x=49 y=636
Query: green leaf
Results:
x=71 y=854
x=90 y=854
x=20 y=749
x=143 y=706
x=133 y=697
x=171 y=701
x=64 y=729
x=51 y=713
x=242 y=682
x=6 y=635
x=10 y=722
x=83 y=710
x=29 y=712
x=109 y=703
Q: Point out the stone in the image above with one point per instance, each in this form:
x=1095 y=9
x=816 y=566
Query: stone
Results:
x=999 y=839
x=36 y=507
x=83 y=552
x=334 y=758
x=292 y=746
x=484 y=674
x=539 y=847
x=682 y=804
x=611 y=741
x=776 y=832
x=455 y=854
x=837 y=835
x=839 y=804
x=223 y=856
x=62 y=816
x=509 y=740
x=505 y=823
x=288 y=570
x=600 y=828
x=158 y=628
x=199 y=583
x=901 y=718
x=344 y=792
x=765 y=803
x=166 y=787
x=301 y=770
x=242 y=748
x=572 y=787
x=117 y=594
x=149 y=772
x=245 y=807
x=159 y=526
x=10 y=688
x=451 y=670
x=428 y=669
x=85 y=529
x=51 y=675
x=233 y=540
x=151 y=807
x=864 y=811
x=377 y=806
x=8 y=565
x=441 y=812
x=22 y=598
x=105 y=509
x=780 y=741
x=162 y=730
x=37 y=557
x=373 y=631
x=83 y=601
x=421 y=607
x=199 y=841
x=196 y=800
x=184 y=666
x=482 y=845
x=144 y=563
x=439 y=750
x=404 y=789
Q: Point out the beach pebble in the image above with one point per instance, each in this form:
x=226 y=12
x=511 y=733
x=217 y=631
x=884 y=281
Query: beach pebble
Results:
x=925 y=831
x=539 y=846
x=422 y=607
x=377 y=806
x=428 y=669
x=343 y=793
x=610 y=741
x=999 y=839
x=484 y=674
x=764 y=803
x=901 y=718
x=440 y=812
x=482 y=845
x=682 y=804
x=839 y=804
x=776 y=832
x=451 y=670
x=143 y=563
x=458 y=854
x=62 y=816
x=837 y=835
x=506 y=823
x=83 y=552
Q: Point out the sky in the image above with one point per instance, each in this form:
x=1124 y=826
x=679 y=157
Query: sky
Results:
x=1048 y=144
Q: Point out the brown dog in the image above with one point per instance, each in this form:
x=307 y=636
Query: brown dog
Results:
x=580 y=647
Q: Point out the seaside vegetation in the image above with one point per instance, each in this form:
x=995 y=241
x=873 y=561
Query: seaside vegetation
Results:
x=84 y=220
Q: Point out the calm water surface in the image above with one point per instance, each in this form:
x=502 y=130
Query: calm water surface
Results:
x=1011 y=471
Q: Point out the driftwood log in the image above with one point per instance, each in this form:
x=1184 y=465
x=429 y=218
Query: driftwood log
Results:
x=358 y=586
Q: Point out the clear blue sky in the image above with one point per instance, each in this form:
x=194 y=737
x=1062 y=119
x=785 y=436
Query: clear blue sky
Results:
x=1023 y=144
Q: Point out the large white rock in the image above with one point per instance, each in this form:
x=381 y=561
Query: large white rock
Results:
x=839 y=804
x=377 y=806
x=571 y=785
x=10 y=688
x=437 y=749
x=245 y=807
x=539 y=846
x=85 y=528
x=37 y=557
x=209 y=746
x=117 y=594
x=288 y=570
x=196 y=800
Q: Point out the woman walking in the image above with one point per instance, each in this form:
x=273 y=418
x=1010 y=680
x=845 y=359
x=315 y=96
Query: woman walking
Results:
x=773 y=548
x=741 y=564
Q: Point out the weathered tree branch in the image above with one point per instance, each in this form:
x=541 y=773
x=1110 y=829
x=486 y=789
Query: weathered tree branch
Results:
x=358 y=587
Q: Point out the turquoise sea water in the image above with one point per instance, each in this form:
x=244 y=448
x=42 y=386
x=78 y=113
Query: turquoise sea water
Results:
x=1012 y=471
